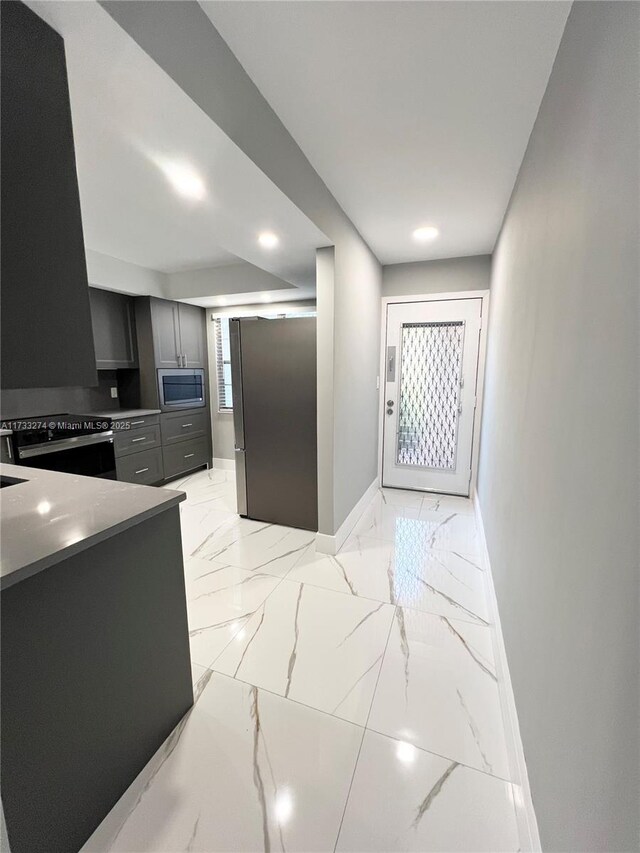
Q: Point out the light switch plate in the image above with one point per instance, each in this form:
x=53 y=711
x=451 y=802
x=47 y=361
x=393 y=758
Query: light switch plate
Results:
x=114 y=392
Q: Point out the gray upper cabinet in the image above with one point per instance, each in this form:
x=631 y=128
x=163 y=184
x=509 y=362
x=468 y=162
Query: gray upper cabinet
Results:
x=166 y=333
x=47 y=339
x=193 y=344
x=112 y=316
x=178 y=334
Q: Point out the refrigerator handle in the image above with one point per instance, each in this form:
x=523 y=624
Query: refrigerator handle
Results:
x=238 y=416
x=236 y=383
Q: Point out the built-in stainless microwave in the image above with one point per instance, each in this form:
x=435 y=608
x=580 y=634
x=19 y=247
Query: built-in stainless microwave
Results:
x=181 y=388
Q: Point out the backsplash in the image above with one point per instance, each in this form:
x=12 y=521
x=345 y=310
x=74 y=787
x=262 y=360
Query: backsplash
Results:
x=29 y=402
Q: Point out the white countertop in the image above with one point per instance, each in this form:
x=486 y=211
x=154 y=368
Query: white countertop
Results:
x=119 y=414
x=52 y=516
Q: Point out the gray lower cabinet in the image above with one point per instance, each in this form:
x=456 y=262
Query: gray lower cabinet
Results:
x=179 y=426
x=145 y=468
x=185 y=456
x=135 y=440
x=125 y=424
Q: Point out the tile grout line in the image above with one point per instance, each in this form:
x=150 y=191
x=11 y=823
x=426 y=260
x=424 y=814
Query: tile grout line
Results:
x=364 y=731
x=262 y=604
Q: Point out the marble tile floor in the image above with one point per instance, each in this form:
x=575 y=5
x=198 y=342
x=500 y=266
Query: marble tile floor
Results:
x=343 y=703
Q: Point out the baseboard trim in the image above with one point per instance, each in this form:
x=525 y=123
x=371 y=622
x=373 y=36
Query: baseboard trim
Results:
x=525 y=812
x=326 y=544
x=224 y=464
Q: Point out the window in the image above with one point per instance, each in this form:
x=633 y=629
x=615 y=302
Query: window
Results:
x=223 y=364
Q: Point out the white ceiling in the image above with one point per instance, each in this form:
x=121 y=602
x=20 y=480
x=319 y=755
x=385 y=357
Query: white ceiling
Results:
x=128 y=118
x=413 y=113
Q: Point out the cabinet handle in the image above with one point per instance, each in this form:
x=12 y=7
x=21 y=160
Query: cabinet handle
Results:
x=144 y=438
x=9 y=447
x=142 y=470
x=136 y=423
x=186 y=425
x=188 y=455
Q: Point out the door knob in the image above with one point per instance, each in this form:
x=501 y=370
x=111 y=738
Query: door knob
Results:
x=389 y=411
x=389 y=402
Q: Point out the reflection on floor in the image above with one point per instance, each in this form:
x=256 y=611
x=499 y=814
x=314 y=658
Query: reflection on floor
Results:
x=343 y=703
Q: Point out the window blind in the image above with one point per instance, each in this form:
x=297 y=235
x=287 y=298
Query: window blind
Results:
x=223 y=365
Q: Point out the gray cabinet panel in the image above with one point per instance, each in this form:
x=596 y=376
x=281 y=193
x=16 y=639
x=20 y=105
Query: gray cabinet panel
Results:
x=165 y=320
x=113 y=329
x=185 y=456
x=135 y=440
x=145 y=468
x=47 y=340
x=179 y=426
x=193 y=344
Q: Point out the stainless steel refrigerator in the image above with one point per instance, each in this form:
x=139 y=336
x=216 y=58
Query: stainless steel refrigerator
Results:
x=273 y=374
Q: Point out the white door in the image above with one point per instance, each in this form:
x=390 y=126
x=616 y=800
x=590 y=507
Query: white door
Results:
x=430 y=394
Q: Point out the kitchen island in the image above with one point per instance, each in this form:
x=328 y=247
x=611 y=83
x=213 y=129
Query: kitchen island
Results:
x=95 y=649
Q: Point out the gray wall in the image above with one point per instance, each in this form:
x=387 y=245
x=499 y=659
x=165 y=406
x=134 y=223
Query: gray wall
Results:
x=184 y=42
x=442 y=276
x=356 y=353
x=558 y=479
x=325 y=293
x=241 y=277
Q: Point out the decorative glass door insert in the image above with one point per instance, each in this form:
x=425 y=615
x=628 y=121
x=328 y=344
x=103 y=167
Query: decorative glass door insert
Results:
x=430 y=375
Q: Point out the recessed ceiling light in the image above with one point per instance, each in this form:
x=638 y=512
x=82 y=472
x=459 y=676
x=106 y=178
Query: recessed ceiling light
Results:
x=185 y=180
x=427 y=232
x=268 y=240
x=266 y=297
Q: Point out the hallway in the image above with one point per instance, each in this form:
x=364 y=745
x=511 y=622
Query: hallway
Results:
x=346 y=703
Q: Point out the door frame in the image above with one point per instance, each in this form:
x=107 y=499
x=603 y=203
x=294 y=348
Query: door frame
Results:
x=386 y=301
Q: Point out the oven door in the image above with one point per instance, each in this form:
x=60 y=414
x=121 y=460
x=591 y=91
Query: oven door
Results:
x=89 y=455
x=181 y=389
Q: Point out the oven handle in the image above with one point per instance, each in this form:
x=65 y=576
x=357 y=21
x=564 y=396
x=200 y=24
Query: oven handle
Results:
x=64 y=444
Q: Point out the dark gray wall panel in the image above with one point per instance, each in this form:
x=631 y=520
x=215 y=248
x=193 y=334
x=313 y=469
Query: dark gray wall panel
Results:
x=47 y=339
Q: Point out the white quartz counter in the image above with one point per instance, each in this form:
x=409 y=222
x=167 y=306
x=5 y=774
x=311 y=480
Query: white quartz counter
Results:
x=52 y=516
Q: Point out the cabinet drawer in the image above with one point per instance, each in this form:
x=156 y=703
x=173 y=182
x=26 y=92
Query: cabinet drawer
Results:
x=145 y=468
x=126 y=424
x=135 y=440
x=179 y=426
x=184 y=456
